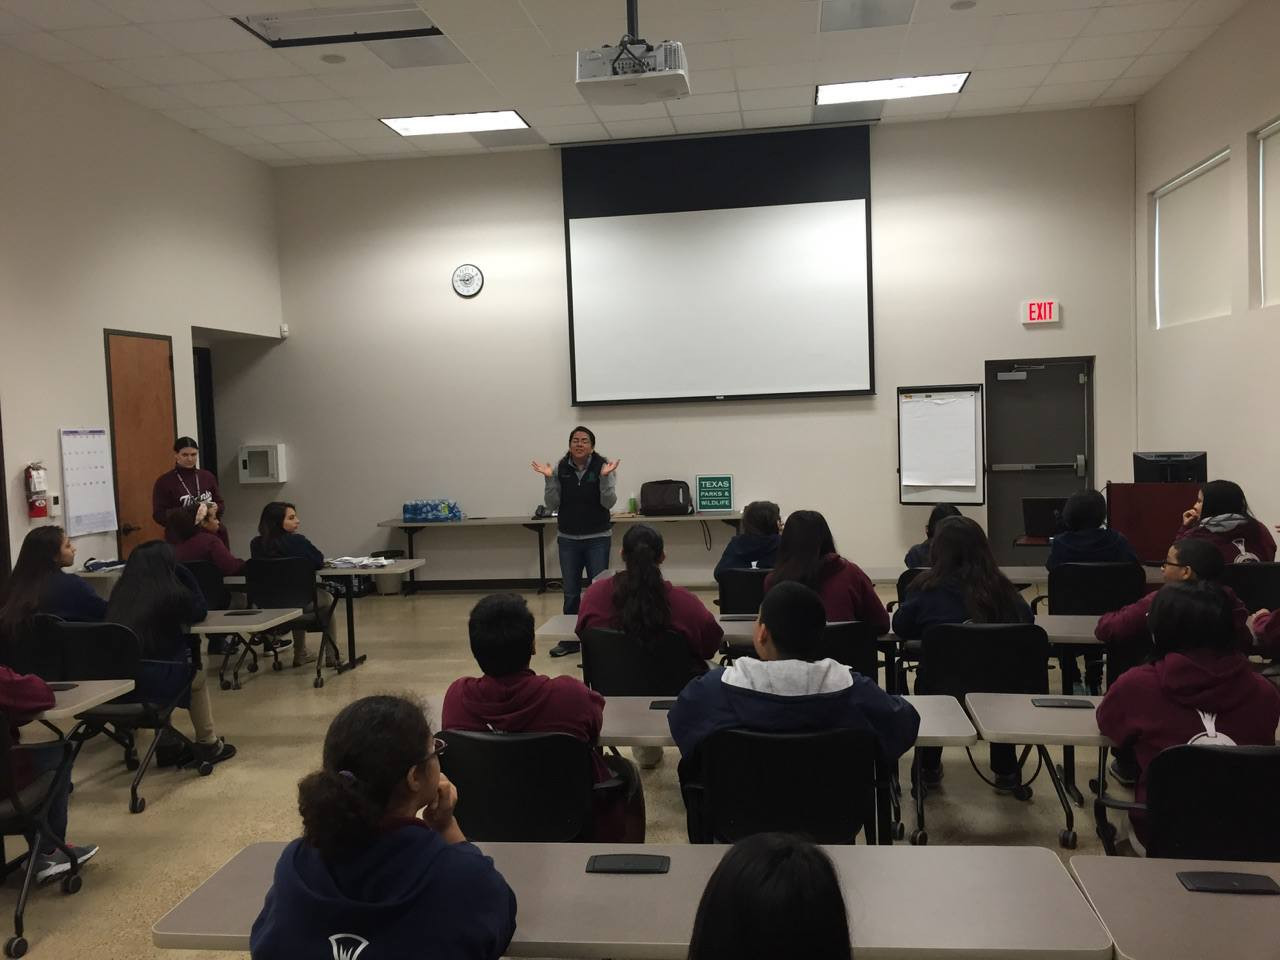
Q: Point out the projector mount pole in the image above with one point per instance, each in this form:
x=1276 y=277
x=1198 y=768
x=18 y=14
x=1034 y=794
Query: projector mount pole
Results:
x=633 y=19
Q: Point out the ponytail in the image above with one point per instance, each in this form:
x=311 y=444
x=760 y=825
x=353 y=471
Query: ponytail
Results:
x=370 y=747
x=639 y=593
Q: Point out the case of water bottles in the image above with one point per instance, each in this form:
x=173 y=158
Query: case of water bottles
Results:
x=432 y=511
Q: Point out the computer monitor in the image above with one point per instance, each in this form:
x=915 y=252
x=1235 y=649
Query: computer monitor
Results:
x=1181 y=467
x=1042 y=516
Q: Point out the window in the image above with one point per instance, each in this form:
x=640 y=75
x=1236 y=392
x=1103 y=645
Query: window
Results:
x=1193 y=244
x=1269 y=211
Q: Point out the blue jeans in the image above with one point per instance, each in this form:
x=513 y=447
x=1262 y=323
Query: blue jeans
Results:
x=43 y=760
x=576 y=554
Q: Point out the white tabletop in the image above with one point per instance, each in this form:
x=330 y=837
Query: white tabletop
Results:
x=84 y=695
x=243 y=621
x=399 y=565
x=943 y=722
x=1012 y=718
x=399 y=524
x=905 y=903
x=1151 y=916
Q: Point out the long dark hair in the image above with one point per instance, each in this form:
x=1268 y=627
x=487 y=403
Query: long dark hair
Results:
x=37 y=562
x=806 y=542
x=180 y=522
x=149 y=598
x=271 y=525
x=1191 y=616
x=772 y=895
x=1223 y=496
x=639 y=593
x=370 y=747
x=939 y=513
x=961 y=556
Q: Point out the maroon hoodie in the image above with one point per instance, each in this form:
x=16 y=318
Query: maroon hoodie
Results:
x=1155 y=706
x=23 y=696
x=689 y=617
x=1256 y=537
x=1267 y=629
x=1126 y=628
x=205 y=547
x=172 y=485
x=847 y=593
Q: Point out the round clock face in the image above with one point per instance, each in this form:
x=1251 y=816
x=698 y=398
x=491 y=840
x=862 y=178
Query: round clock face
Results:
x=467 y=280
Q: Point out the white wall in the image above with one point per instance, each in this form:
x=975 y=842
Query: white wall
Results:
x=391 y=387
x=1209 y=385
x=114 y=217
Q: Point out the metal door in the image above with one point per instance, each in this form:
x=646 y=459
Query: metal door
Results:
x=1039 y=443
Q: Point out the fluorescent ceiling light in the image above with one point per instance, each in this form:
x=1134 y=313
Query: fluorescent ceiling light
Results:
x=895 y=89
x=456 y=123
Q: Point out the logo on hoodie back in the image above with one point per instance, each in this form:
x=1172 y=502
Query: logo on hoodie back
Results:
x=347 y=946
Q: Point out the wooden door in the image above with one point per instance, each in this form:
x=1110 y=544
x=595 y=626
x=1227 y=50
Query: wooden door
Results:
x=143 y=425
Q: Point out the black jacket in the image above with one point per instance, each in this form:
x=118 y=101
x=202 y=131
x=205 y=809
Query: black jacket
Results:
x=581 y=511
x=1099 y=545
x=743 y=549
x=287 y=545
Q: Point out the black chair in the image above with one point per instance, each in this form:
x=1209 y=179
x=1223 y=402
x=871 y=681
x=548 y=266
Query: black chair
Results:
x=23 y=813
x=1256 y=584
x=616 y=665
x=218 y=597
x=532 y=787
x=110 y=651
x=741 y=591
x=835 y=787
x=855 y=644
x=1204 y=803
x=284 y=582
x=905 y=579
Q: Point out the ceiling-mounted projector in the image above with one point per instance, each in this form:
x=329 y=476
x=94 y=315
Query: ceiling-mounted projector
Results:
x=634 y=71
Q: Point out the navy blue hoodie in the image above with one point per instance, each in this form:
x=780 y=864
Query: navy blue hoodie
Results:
x=409 y=894
x=1098 y=545
x=743 y=549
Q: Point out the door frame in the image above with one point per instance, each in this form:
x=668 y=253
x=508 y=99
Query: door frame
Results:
x=6 y=560
x=107 y=334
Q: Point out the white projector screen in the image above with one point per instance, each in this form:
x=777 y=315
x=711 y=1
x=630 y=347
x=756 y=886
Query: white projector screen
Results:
x=747 y=301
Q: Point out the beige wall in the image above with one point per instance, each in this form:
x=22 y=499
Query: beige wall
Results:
x=1205 y=385
x=113 y=217
x=391 y=387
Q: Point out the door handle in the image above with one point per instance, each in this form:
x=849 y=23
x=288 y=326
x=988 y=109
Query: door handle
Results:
x=1080 y=465
x=1033 y=467
x=127 y=528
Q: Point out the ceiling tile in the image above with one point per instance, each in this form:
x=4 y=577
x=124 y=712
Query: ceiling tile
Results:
x=356 y=59
x=916 y=106
x=763 y=52
x=104 y=74
x=506 y=139
x=475 y=16
x=993 y=99
x=703 y=103
x=778 y=117
x=777 y=97
x=436 y=142
x=708 y=123
x=1110 y=47
x=250 y=64
x=1034 y=27
x=1028 y=54
x=574 y=132
x=1181 y=39
x=1154 y=65
x=1131 y=86
x=381 y=146
x=352 y=129
x=47 y=47
x=638 y=111
x=712 y=81
x=915 y=61
x=416 y=52
x=154 y=97
x=932 y=11
x=311 y=111
x=252 y=115
x=958 y=32
x=1133 y=17
x=794 y=18
x=268 y=151
x=1006 y=78
x=206 y=36
x=234 y=137
x=1085 y=70
x=514 y=44
x=1114 y=101
x=195 y=118
x=875 y=67
x=224 y=93
x=558 y=116
x=63 y=14
x=705 y=26
x=1069 y=92
x=1048 y=106
x=851 y=44
x=288 y=132
x=167 y=70
x=1204 y=13
x=14 y=24
x=115 y=43
x=931 y=116
x=840 y=15
x=158 y=11
x=1045 y=6
x=286 y=89
x=308 y=149
x=778 y=75
x=641 y=128
x=708 y=56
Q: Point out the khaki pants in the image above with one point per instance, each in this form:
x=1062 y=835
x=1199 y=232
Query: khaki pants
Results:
x=201 y=710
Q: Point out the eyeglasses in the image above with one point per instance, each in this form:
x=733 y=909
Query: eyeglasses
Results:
x=1170 y=563
x=438 y=747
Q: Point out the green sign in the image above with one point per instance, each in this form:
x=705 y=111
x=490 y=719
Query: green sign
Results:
x=714 y=492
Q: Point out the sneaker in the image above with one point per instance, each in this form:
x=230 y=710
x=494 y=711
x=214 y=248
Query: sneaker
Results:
x=179 y=756
x=304 y=659
x=1007 y=782
x=931 y=776
x=215 y=752
x=565 y=647
x=55 y=863
x=1126 y=774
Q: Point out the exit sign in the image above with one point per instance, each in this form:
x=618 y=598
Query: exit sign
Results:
x=713 y=492
x=1041 y=311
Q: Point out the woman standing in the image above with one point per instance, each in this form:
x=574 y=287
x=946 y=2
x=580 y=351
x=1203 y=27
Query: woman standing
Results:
x=186 y=484
x=583 y=488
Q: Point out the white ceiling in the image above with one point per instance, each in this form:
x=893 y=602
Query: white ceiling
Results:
x=753 y=64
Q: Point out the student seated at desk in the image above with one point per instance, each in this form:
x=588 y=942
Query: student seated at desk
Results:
x=39 y=585
x=277 y=538
x=757 y=544
x=773 y=895
x=511 y=698
x=807 y=554
x=917 y=557
x=1086 y=540
x=22 y=697
x=641 y=603
x=1221 y=516
x=964 y=585
x=382 y=861
x=193 y=531
x=157 y=600
x=1200 y=683
x=788 y=690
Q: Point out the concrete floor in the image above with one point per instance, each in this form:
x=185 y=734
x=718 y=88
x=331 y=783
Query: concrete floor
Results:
x=193 y=825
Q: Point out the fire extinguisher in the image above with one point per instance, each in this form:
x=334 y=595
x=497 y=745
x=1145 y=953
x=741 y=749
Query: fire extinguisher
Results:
x=37 y=483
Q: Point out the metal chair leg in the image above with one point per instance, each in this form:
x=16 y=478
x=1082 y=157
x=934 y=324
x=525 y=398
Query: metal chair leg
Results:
x=1067 y=838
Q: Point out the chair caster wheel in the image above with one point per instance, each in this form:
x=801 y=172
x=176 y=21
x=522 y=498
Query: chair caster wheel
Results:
x=225 y=684
x=1067 y=838
x=1023 y=793
x=204 y=768
x=137 y=804
x=919 y=838
x=253 y=668
x=277 y=665
x=72 y=883
x=131 y=762
x=318 y=682
x=15 y=947
x=1093 y=785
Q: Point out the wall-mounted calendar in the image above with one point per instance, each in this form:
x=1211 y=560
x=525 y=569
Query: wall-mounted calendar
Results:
x=88 y=489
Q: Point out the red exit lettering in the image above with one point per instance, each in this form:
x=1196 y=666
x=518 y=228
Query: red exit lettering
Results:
x=1040 y=311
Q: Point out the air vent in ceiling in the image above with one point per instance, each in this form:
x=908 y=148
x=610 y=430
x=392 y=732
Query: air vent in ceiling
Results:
x=302 y=28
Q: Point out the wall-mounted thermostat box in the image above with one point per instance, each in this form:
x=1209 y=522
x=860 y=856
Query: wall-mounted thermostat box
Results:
x=262 y=463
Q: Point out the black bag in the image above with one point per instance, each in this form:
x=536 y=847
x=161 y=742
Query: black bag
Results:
x=665 y=498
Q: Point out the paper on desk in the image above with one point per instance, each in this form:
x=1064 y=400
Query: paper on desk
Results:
x=358 y=563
